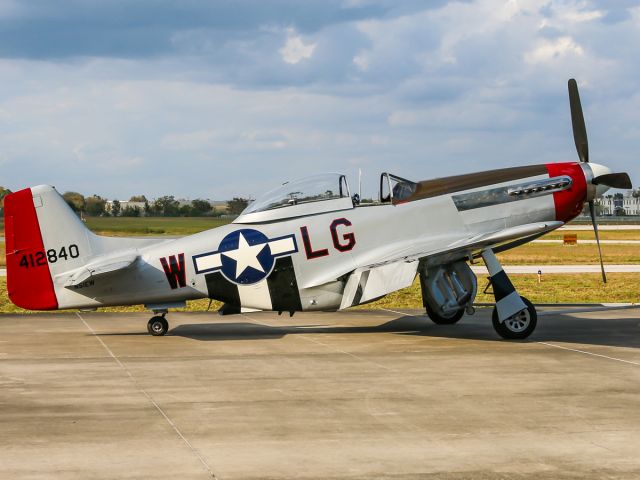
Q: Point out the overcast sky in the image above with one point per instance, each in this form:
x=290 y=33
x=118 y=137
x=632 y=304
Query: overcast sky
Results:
x=224 y=98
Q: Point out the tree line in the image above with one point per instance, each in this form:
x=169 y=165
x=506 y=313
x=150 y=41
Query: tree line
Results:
x=165 y=206
x=3 y=193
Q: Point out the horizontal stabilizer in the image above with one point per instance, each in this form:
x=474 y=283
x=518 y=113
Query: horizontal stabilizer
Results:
x=101 y=266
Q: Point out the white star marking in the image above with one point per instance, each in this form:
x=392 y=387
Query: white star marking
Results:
x=246 y=256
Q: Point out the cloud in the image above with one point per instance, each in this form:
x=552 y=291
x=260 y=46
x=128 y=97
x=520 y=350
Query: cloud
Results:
x=362 y=61
x=124 y=29
x=295 y=49
x=554 y=50
x=224 y=98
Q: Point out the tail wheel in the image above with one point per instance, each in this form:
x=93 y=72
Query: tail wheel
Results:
x=444 y=320
x=158 y=326
x=518 y=326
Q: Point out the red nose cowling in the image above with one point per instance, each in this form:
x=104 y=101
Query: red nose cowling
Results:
x=569 y=203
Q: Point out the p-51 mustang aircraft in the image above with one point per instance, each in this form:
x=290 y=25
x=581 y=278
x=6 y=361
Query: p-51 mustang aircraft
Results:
x=310 y=245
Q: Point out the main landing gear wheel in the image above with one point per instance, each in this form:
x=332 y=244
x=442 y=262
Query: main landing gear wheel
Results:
x=158 y=326
x=442 y=320
x=518 y=326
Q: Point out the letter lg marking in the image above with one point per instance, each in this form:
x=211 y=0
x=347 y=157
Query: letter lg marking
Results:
x=308 y=249
x=175 y=271
x=348 y=238
x=341 y=244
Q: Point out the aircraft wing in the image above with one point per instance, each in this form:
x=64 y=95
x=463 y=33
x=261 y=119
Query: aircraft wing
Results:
x=435 y=253
x=419 y=251
x=500 y=240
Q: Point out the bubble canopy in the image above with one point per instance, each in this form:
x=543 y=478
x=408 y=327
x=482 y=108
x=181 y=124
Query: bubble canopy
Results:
x=309 y=195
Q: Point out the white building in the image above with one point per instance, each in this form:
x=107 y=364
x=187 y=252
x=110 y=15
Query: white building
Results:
x=124 y=204
x=611 y=205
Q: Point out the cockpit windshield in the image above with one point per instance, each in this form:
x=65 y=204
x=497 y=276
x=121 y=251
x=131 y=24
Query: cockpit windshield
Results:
x=317 y=188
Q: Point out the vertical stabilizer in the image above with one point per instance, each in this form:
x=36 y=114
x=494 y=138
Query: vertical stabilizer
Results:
x=29 y=282
x=44 y=238
x=48 y=246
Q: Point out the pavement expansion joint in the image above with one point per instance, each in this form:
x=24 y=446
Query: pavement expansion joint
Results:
x=160 y=410
x=589 y=353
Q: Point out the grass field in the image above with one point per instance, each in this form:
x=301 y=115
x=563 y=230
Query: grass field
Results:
x=123 y=226
x=187 y=225
x=554 y=288
x=530 y=254
x=558 y=254
x=153 y=225
x=589 y=235
x=560 y=288
x=543 y=254
x=586 y=288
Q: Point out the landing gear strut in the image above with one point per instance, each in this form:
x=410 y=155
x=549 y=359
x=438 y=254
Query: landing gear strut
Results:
x=514 y=317
x=158 y=325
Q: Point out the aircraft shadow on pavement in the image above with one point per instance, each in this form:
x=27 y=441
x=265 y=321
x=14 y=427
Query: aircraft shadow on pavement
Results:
x=255 y=331
x=615 y=332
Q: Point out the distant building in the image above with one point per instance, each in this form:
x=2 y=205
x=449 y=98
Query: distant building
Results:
x=123 y=205
x=219 y=206
x=619 y=205
x=216 y=205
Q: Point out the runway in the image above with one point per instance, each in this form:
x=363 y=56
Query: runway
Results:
x=593 y=242
x=565 y=227
x=515 y=269
x=481 y=270
x=587 y=227
x=360 y=395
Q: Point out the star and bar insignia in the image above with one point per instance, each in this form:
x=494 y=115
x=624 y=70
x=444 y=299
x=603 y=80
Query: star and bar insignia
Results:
x=245 y=256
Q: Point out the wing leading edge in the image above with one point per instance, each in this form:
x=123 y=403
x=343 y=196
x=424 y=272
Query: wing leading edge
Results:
x=403 y=265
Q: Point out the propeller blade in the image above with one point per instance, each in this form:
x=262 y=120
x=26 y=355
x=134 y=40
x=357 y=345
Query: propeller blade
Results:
x=577 y=121
x=614 y=180
x=592 y=211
